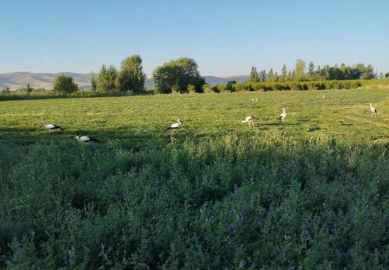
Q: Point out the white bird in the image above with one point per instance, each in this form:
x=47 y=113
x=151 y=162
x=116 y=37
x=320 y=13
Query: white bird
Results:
x=256 y=99
x=324 y=96
x=282 y=115
x=373 y=110
x=175 y=126
x=250 y=120
x=87 y=139
x=51 y=127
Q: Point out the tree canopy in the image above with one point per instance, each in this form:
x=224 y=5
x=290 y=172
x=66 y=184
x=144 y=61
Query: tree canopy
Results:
x=131 y=75
x=254 y=75
x=107 y=78
x=65 y=84
x=181 y=72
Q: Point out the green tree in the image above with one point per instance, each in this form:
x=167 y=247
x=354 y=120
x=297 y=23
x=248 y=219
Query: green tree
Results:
x=93 y=81
x=254 y=75
x=290 y=76
x=263 y=76
x=29 y=89
x=107 y=79
x=270 y=77
x=311 y=70
x=368 y=73
x=284 y=76
x=123 y=80
x=299 y=70
x=231 y=85
x=181 y=72
x=387 y=75
x=64 y=84
x=131 y=75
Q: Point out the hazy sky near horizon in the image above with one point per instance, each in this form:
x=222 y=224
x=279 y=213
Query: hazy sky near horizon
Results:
x=224 y=37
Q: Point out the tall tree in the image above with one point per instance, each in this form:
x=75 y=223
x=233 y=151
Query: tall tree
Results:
x=368 y=73
x=311 y=70
x=180 y=72
x=263 y=76
x=131 y=75
x=290 y=76
x=299 y=70
x=93 y=81
x=284 y=76
x=270 y=77
x=107 y=78
x=253 y=75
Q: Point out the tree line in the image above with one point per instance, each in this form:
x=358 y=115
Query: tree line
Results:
x=327 y=73
x=182 y=76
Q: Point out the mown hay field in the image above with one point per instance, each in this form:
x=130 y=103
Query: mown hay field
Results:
x=309 y=193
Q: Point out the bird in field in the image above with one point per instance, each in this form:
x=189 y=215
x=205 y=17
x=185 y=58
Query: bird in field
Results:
x=373 y=110
x=324 y=96
x=250 y=120
x=51 y=127
x=174 y=127
x=282 y=115
x=87 y=139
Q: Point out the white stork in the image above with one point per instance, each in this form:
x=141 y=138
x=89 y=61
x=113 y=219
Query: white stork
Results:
x=282 y=115
x=373 y=110
x=51 y=127
x=250 y=120
x=175 y=127
x=87 y=139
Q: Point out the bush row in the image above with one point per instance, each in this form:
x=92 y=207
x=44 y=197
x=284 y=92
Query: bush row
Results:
x=271 y=86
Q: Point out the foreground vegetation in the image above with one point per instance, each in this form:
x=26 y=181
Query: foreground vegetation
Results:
x=308 y=194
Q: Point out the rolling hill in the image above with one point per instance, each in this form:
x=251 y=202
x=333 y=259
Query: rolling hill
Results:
x=17 y=80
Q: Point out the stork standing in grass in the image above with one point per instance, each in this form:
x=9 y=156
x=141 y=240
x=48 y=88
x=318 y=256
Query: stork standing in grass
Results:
x=175 y=127
x=250 y=120
x=52 y=128
x=373 y=110
x=282 y=115
x=87 y=139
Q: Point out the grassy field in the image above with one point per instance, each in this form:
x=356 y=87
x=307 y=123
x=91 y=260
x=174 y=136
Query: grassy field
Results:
x=310 y=193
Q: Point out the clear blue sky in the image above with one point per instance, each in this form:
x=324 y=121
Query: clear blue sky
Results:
x=224 y=37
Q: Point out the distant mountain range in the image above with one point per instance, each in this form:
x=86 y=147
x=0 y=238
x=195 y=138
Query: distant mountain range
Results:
x=17 y=80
